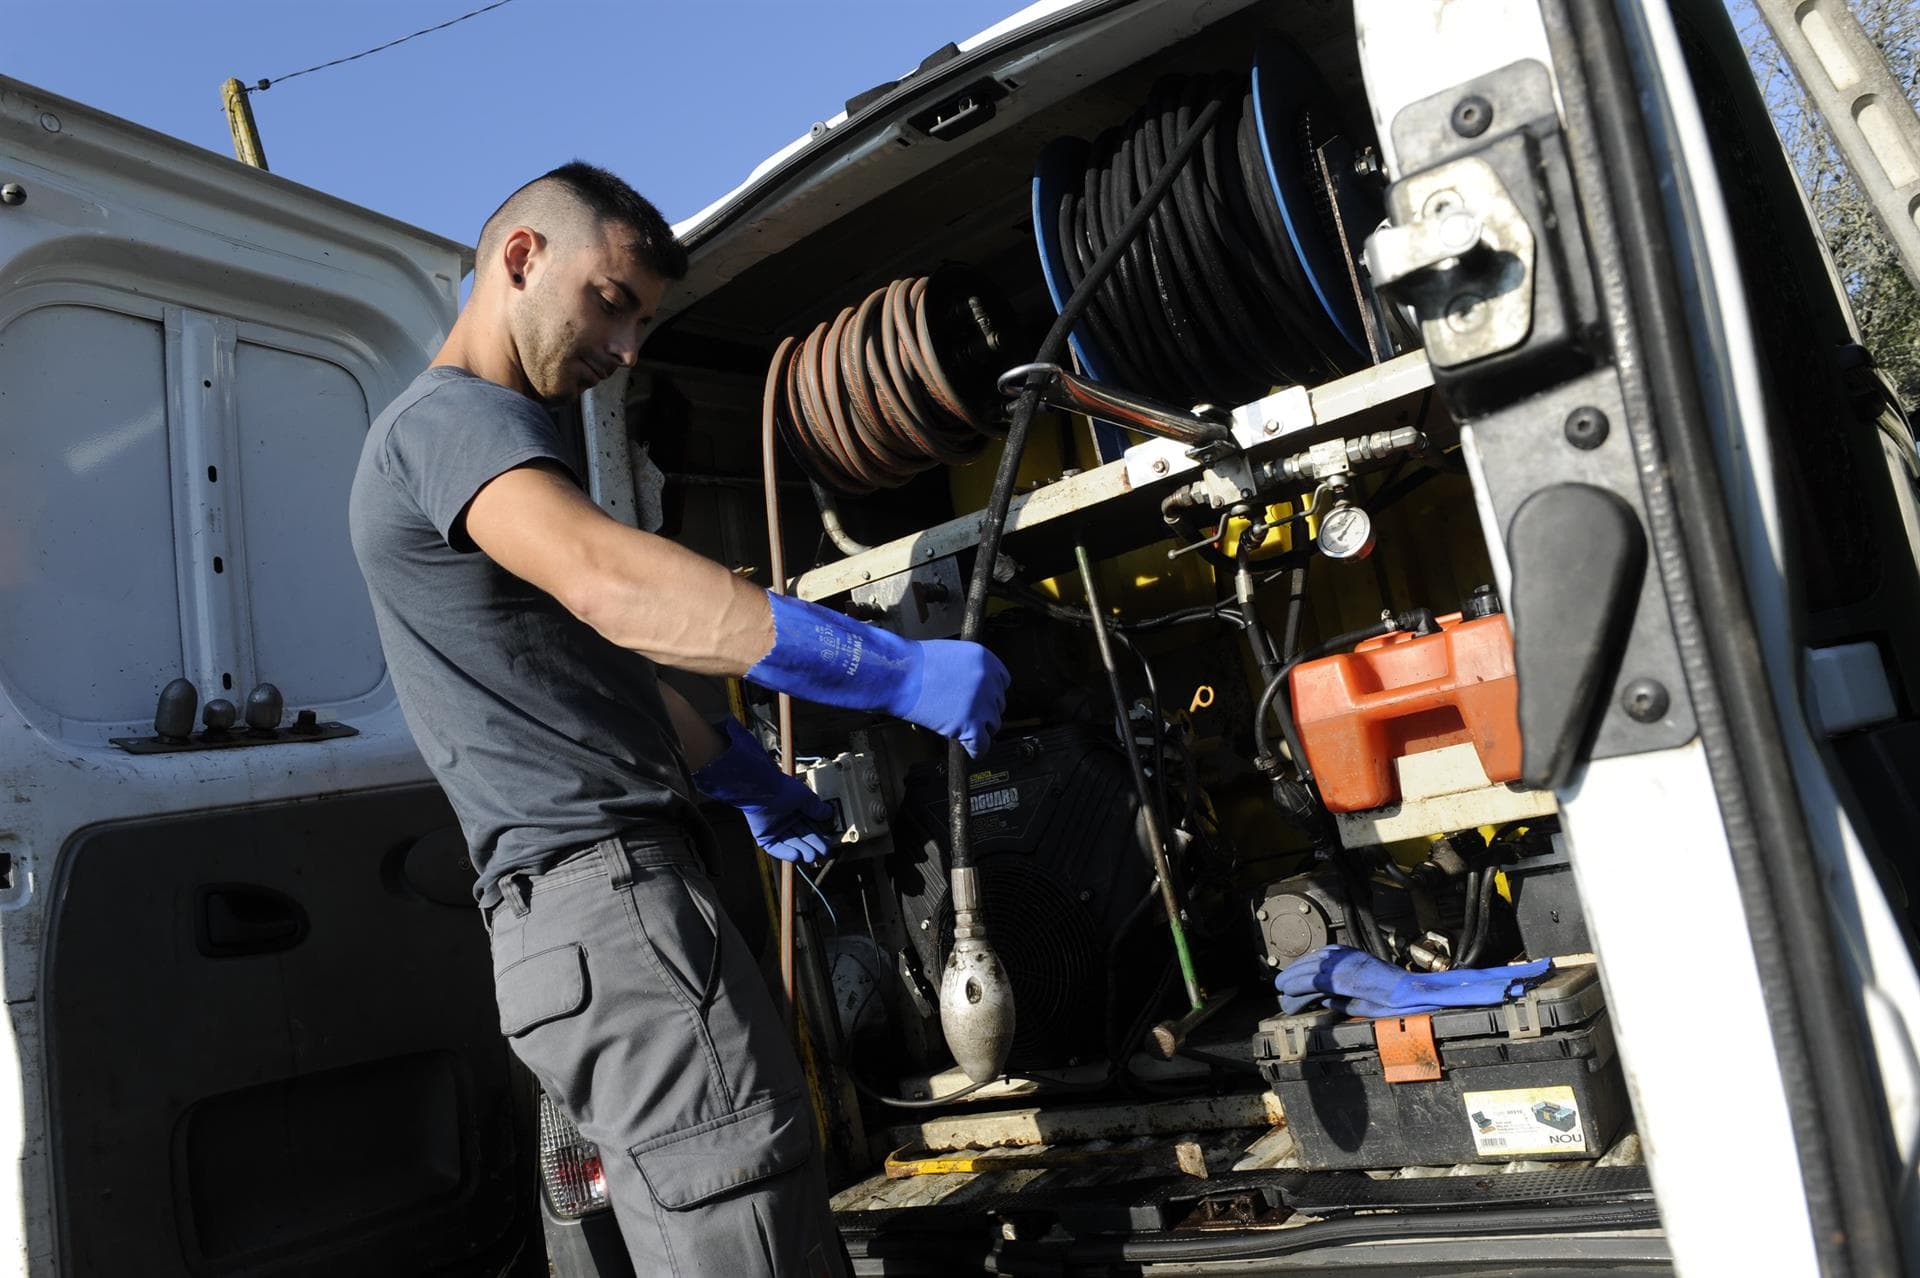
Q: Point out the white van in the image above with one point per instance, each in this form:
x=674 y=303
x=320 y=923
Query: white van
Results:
x=1517 y=299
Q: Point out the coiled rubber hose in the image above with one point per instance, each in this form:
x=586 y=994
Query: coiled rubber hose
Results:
x=1211 y=302
x=898 y=384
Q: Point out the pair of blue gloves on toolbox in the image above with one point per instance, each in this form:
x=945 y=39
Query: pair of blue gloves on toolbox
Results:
x=954 y=688
x=1358 y=984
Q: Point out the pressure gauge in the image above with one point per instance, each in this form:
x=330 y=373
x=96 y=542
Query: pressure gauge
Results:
x=1346 y=532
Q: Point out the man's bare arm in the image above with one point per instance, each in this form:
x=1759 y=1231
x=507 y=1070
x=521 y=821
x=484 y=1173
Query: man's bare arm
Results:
x=637 y=590
x=644 y=593
x=698 y=738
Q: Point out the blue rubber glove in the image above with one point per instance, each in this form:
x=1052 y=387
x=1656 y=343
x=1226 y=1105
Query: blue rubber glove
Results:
x=1358 y=984
x=788 y=820
x=957 y=689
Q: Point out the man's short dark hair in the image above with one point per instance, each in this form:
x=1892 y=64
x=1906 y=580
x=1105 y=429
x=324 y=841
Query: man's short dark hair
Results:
x=602 y=195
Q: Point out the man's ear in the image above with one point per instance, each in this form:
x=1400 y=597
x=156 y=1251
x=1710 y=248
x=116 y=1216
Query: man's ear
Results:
x=521 y=246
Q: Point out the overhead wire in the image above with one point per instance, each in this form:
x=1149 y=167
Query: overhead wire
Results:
x=261 y=86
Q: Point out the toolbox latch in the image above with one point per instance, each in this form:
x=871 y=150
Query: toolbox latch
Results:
x=1523 y=1016
x=1408 y=1053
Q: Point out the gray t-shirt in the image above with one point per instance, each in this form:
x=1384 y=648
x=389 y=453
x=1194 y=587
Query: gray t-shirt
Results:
x=544 y=736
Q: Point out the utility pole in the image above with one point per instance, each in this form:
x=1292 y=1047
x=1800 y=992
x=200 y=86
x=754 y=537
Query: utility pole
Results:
x=246 y=134
x=1865 y=108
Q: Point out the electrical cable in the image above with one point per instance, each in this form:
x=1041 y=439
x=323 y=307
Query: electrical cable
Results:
x=1212 y=301
x=1273 y=699
x=261 y=86
x=1398 y=488
x=1027 y=597
x=932 y=1102
x=827 y=905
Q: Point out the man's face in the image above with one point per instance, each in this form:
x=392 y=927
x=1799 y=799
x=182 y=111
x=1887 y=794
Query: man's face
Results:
x=582 y=312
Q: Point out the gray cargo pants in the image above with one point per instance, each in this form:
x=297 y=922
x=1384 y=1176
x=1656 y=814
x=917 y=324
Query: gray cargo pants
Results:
x=625 y=989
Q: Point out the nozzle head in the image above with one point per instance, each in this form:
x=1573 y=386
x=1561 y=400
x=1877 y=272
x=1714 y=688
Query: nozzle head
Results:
x=976 y=1008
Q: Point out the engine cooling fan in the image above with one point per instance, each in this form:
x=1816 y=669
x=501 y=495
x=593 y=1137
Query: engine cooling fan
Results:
x=1054 y=955
x=1062 y=863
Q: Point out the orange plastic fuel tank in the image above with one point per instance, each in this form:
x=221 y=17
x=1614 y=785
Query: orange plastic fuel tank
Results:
x=1403 y=694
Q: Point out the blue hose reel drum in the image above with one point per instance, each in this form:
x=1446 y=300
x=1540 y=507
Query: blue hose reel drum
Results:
x=1285 y=89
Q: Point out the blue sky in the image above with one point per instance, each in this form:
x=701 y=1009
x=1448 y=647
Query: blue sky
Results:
x=681 y=99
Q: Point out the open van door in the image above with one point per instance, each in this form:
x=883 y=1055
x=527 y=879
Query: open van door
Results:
x=250 y=1024
x=1704 y=442
x=1697 y=525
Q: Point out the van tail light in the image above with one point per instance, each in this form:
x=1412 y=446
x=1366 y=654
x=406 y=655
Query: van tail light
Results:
x=570 y=1170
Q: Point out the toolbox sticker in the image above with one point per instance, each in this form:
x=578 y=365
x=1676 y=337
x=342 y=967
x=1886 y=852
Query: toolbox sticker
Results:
x=1525 y=1120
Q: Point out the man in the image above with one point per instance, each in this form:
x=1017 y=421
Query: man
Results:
x=522 y=627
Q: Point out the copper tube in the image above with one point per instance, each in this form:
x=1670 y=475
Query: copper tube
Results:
x=777 y=569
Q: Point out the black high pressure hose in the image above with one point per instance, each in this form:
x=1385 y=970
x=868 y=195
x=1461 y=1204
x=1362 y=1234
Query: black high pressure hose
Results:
x=1212 y=301
x=974 y=974
x=993 y=522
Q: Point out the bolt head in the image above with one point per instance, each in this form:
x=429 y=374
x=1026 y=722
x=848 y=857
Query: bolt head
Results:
x=1459 y=229
x=1304 y=908
x=1645 y=700
x=1159 y=466
x=1587 y=428
x=926 y=925
x=1471 y=116
x=1261 y=915
x=13 y=195
x=1466 y=312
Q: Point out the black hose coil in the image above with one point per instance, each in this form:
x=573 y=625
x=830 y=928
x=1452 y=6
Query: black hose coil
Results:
x=1212 y=302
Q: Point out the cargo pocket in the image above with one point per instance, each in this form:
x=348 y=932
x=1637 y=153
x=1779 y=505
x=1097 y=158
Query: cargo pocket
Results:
x=698 y=1165
x=540 y=988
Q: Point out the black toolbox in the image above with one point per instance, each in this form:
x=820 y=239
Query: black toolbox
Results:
x=1534 y=1077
